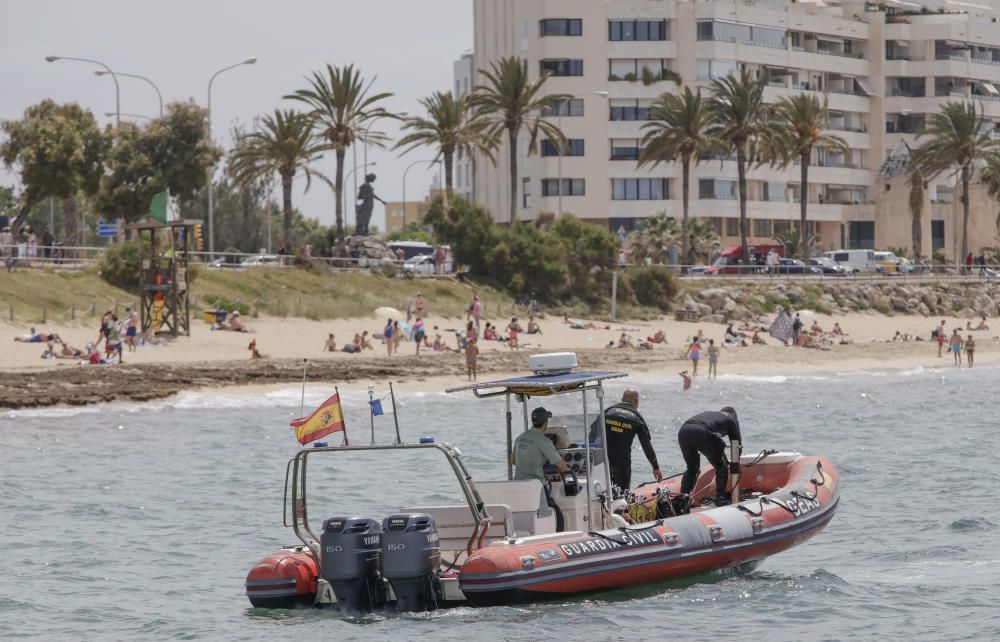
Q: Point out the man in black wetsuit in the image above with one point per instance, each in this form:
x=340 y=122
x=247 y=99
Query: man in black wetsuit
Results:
x=704 y=434
x=624 y=423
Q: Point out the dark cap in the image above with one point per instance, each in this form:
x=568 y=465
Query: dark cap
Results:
x=539 y=416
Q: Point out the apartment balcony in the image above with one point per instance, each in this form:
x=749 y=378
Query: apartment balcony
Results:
x=837 y=101
x=642 y=49
x=767 y=14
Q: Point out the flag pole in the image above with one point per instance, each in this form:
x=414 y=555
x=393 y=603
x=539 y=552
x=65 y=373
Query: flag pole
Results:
x=371 y=410
x=343 y=419
x=395 y=417
x=302 y=399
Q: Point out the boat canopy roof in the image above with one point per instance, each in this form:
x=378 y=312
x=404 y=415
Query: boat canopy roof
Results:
x=538 y=385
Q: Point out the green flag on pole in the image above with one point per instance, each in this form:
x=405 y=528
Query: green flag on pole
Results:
x=158 y=207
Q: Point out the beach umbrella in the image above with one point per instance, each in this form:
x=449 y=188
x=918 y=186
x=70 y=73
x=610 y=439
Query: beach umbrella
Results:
x=386 y=312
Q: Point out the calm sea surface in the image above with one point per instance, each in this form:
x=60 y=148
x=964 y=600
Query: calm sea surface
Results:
x=140 y=521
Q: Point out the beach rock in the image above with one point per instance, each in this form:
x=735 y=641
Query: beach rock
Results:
x=728 y=305
x=882 y=303
x=703 y=310
x=967 y=313
x=923 y=310
x=713 y=318
x=689 y=303
x=796 y=294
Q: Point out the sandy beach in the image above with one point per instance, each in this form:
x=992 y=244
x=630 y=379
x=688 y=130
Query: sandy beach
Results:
x=211 y=358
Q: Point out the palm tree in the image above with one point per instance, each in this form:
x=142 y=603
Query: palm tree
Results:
x=739 y=119
x=957 y=135
x=704 y=240
x=283 y=144
x=678 y=130
x=342 y=109
x=989 y=176
x=448 y=127
x=795 y=130
x=510 y=102
x=653 y=240
x=916 y=203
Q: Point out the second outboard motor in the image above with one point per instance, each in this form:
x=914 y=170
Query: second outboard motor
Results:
x=411 y=555
x=351 y=551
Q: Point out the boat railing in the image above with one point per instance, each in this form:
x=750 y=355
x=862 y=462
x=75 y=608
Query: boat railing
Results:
x=297 y=468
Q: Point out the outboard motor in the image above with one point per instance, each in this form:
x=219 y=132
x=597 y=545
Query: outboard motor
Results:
x=411 y=556
x=351 y=551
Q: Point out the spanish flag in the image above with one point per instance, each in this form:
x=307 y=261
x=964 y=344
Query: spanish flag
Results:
x=328 y=418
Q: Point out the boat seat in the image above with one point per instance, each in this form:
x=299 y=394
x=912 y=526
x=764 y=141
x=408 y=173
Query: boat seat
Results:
x=526 y=499
x=455 y=524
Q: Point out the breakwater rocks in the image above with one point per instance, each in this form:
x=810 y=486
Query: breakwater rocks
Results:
x=721 y=304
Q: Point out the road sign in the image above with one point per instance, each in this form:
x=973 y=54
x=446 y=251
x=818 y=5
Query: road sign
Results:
x=107 y=228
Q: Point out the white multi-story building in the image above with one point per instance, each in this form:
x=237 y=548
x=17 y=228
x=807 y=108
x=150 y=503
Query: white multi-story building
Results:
x=882 y=67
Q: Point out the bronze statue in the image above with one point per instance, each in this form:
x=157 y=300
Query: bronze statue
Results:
x=363 y=206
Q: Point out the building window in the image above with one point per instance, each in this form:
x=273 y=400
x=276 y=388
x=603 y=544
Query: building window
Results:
x=526 y=193
x=937 y=235
x=713 y=69
x=573 y=147
x=782 y=227
x=643 y=30
x=638 y=189
x=570 y=187
x=629 y=112
x=762 y=227
x=861 y=235
x=719 y=189
x=632 y=69
x=775 y=192
x=563 y=67
x=571 y=107
x=624 y=149
x=562 y=27
x=732 y=227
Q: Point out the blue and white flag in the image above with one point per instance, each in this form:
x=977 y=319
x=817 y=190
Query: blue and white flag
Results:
x=376 y=405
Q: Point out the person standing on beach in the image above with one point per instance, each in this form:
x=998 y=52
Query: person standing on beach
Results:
x=471 y=354
x=387 y=334
x=970 y=348
x=713 y=359
x=475 y=310
x=956 y=347
x=694 y=353
x=796 y=329
x=131 y=329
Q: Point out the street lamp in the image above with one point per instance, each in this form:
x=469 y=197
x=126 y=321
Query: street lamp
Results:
x=155 y=88
x=109 y=114
x=118 y=103
x=344 y=194
x=211 y=214
x=432 y=161
x=562 y=106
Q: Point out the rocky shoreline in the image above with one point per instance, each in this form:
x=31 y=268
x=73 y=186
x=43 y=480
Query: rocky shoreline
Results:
x=739 y=302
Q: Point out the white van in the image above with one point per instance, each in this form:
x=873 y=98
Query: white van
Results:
x=857 y=260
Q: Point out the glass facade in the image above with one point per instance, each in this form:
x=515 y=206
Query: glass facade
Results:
x=638 y=189
x=717 y=188
x=570 y=187
x=562 y=67
x=634 y=30
x=565 y=108
x=625 y=149
x=861 y=235
x=573 y=147
x=562 y=27
x=629 y=112
x=712 y=69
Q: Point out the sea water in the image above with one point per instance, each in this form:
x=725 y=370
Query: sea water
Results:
x=140 y=521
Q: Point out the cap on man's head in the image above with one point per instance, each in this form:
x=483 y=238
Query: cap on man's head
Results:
x=729 y=410
x=539 y=416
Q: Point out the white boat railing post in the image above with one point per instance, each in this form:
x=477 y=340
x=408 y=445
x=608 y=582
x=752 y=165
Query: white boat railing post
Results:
x=510 y=446
x=604 y=441
x=586 y=440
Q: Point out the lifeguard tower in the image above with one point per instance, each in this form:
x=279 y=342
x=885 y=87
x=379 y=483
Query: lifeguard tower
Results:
x=163 y=275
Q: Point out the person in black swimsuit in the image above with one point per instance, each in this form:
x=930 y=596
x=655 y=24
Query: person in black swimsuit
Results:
x=703 y=434
x=623 y=423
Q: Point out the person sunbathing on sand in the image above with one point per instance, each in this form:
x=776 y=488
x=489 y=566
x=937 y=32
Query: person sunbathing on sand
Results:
x=659 y=337
x=758 y=340
x=982 y=324
x=331 y=344
x=236 y=325
x=815 y=329
x=254 y=353
x=533 y=327
x=67 y=352
x=836 y=330
x=35 y=337
x=625 y=341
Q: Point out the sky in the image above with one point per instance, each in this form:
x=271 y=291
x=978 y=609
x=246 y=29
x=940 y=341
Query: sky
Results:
x=409 y=45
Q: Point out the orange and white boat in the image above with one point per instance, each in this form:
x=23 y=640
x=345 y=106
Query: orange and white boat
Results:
x=501 y=546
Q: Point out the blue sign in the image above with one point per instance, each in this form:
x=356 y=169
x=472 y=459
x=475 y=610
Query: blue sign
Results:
x=107 y=228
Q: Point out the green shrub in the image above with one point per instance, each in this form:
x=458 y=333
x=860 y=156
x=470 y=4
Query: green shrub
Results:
x=652 y=285
x=120 y=266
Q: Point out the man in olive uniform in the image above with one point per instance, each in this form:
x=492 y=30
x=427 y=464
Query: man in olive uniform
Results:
x=531 y=450
x=624 y=424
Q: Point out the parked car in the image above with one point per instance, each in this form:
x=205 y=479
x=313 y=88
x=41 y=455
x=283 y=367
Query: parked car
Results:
x=420 y=264
x=795 y=266
x=262 y=260
x=829 y=267
x=697 y=270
